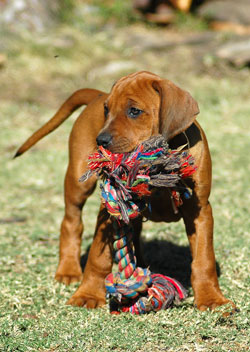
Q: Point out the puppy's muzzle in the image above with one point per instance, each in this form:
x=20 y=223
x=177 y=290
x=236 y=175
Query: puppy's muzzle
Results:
x=104 y=139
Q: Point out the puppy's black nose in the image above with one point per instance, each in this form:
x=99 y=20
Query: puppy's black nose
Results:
x=104 y=139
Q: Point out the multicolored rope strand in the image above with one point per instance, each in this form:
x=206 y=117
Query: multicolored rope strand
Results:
x=128 y=180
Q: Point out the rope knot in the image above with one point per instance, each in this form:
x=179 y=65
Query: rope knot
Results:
x=127 y=180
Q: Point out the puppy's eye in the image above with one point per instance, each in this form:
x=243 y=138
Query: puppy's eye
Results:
x=106 y=111
x=134 y=112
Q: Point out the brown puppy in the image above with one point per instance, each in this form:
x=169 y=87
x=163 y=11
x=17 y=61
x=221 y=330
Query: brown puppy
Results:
x=139 y=106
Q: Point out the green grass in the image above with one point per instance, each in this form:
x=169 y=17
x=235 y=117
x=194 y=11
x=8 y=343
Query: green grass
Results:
x=189 y=22
x=33 y=314
x=118 y=10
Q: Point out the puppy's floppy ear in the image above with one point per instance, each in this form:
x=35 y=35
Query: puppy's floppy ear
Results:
x=178 y=109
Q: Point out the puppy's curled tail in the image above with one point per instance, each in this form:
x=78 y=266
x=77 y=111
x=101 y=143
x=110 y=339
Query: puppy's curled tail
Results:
x=77 y=99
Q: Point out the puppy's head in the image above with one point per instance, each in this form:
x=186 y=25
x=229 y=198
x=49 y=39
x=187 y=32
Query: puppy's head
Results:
x=142 y=105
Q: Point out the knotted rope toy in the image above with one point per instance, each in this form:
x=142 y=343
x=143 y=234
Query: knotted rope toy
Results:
x=127 y=183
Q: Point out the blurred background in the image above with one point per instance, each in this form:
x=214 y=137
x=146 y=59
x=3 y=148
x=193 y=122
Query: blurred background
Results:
x=50 y=48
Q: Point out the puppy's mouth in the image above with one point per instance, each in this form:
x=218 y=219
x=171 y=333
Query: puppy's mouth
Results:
x=119 y=150
x=123 y=145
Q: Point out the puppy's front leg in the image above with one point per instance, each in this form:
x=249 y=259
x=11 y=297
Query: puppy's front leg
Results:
x=207 y=293
x=91 y=292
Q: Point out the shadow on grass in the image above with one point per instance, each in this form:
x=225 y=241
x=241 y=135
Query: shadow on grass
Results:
x=169 y=259
x=166 y=258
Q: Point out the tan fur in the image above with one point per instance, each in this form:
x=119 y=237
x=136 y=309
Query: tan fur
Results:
x=168 y=110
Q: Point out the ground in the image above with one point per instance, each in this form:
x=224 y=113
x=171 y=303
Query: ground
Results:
x=41 y=71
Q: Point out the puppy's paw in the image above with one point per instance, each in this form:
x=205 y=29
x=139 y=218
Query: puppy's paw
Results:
x=68 y=279
x=90 y=301
x=228 y=307
x=68 y=272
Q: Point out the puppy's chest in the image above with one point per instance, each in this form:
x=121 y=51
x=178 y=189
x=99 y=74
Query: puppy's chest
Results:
x=160 y=207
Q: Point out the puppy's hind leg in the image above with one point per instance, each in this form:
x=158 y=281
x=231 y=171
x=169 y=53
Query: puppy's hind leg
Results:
x=76 y=194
